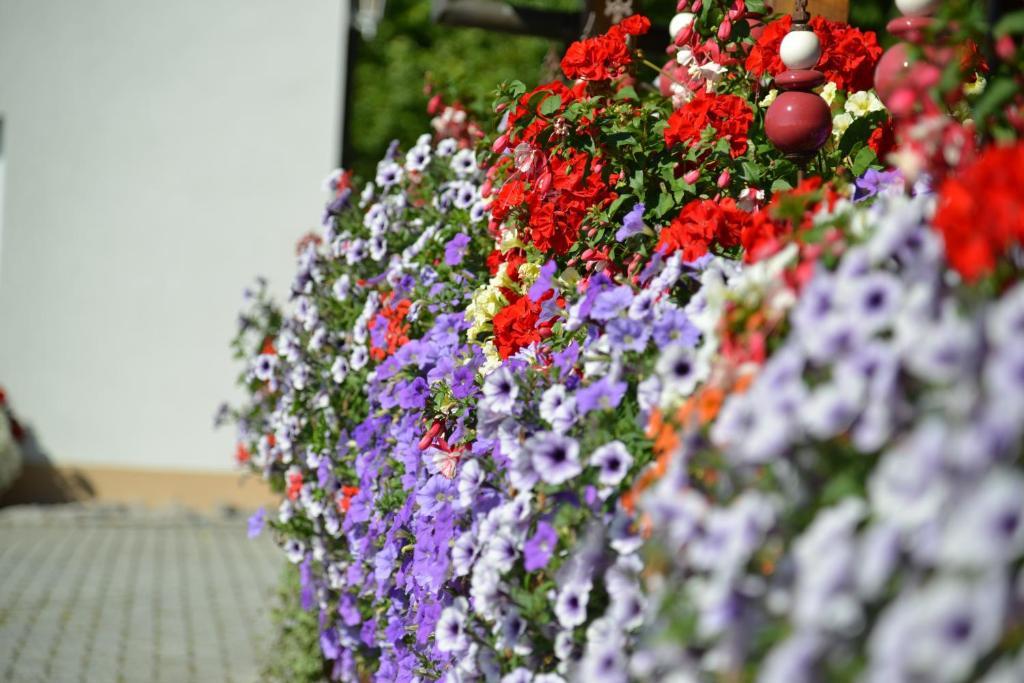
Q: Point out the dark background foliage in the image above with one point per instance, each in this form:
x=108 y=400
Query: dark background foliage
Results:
x=388 y=95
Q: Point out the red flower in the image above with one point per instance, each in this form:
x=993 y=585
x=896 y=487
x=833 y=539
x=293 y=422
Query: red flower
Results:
x=849 y=55
x=294 y=484
x=396 y=334
x=515 y=326
x=345 y=497
x=241 y=454
x=730 y=116
x=883 y=139
x=701 y=224
x=981 y=210
x=603 y=57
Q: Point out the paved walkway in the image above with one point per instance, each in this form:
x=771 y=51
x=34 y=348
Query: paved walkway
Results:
x=111 y=595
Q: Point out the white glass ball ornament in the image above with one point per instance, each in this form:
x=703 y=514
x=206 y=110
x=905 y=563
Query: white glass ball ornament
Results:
x=679 y=22
x=800 y=50
x=917 y=8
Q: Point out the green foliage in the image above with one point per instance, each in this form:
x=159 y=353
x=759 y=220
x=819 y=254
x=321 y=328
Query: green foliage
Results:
x=389 y=99
x=295 y=654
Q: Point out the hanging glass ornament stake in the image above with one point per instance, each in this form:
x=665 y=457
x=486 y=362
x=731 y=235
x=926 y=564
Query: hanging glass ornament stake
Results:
x=799 y=121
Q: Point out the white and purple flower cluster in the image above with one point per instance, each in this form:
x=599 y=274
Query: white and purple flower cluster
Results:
x=865 y=521
x=850 y=508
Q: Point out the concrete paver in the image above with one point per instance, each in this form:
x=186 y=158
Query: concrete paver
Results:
x=112 y=594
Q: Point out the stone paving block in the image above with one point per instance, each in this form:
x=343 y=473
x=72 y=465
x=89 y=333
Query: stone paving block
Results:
x=118 y=594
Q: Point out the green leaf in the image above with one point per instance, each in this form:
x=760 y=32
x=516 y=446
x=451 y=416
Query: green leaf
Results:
x=996 y=94
x=550 y=105
x=781 y=185
x=516 y=88
x=627 y=93
x=863 y=161
x=1010 y=23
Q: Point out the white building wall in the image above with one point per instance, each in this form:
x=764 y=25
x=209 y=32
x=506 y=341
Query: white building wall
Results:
x=158 y=155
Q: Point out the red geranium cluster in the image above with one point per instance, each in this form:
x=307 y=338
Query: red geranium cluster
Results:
x=730 y=116
x=705 y=223
x=981 y=210
x=515 y=326
x=848 y=59
x=396 y=334
x=701 y=224
x=604 y=57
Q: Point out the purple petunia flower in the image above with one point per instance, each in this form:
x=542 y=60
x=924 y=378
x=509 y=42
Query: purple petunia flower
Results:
x=414 y=395
x=632 y=223
x=554 y=457
x=256 y=522
x=542 y=284
x=435 y=494
x=626 y=334
x=455 y=250
x=673 y=326
x=610 y=303
x=538 y=550
x=876 y=182
x=604 y=394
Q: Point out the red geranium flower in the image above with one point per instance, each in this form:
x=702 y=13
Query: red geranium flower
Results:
x=701 y=224
x=515 y=326
x=730 y=116
x=981 y=210
x=848 y=59
x=603 y=57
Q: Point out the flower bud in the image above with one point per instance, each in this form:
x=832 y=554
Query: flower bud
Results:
x=500 y=143
x=725 y=30
x=692 y=177
x=723 y=179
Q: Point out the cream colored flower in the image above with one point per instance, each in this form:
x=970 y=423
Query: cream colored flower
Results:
x=528 y=273
x=839 y=125
x=863 y=103
x=977 y=87
x=828 y=93
x=769 y=98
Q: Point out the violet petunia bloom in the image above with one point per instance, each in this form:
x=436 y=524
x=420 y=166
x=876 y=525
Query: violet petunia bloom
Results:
x=554 y=457
x=538 y=550
x=455 y=250
x=603 y=394
x=610 y=303
x=542 y=284
x=435 y=494
x=256 y=523
x=875 y=182
x=632 y=223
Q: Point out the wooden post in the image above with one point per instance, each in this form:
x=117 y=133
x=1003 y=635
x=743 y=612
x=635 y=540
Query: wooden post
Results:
x=836 y=10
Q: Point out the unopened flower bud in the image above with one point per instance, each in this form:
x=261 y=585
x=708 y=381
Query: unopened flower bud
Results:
x=725 y=30
x=691 y=177
x=723 y=179
x=500 y=143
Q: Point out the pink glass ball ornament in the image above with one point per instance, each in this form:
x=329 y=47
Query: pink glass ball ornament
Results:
x=798 y=123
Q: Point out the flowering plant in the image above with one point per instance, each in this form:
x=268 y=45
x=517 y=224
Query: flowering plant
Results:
x=628 y=398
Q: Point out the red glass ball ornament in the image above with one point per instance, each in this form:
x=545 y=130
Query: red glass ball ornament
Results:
x=798 y=122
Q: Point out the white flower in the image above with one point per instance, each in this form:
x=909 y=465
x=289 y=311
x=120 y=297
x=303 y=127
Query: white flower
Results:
x=828 y=93
x=558 y=408
x=863 y=103
x=339 y=369
x=571 y=603
x=839 y=125
x=987 y=526
x=450 y=635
